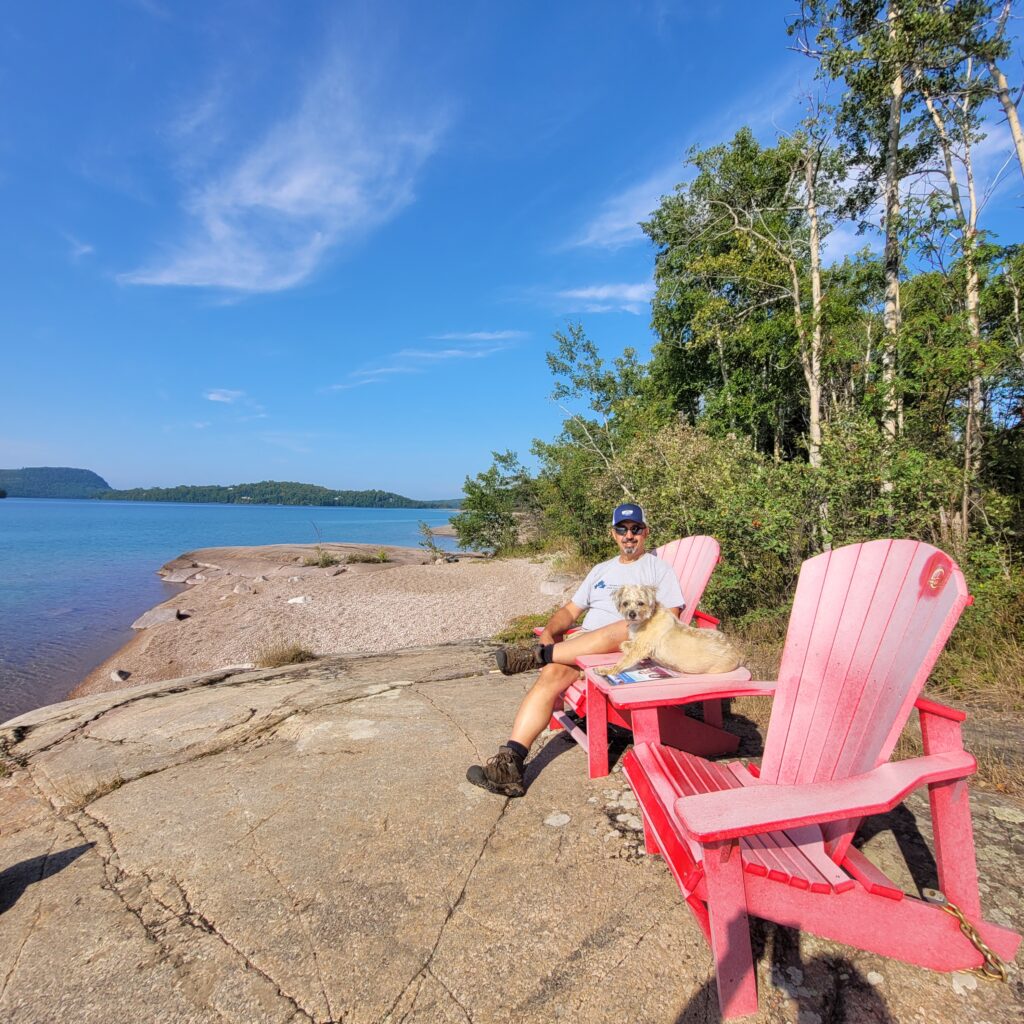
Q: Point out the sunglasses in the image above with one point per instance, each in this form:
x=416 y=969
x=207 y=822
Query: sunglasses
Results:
x=622 y=529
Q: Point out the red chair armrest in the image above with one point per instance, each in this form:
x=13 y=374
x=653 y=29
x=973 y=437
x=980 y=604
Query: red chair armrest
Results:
x=730 y=813
x=704 y=621
x=931 y=707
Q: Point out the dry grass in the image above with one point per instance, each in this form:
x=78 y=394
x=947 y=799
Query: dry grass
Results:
x=81 y=797
x=277 y=654
x=571 y=563
x=984 y=662
x=996 y=769
x=760 y=637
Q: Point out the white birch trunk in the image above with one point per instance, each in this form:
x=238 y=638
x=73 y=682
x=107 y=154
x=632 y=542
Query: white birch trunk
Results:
x=1002 y=90
x=813 y=370
x=891 y=313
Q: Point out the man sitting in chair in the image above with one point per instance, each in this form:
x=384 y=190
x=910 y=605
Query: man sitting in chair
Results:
x=602 y=632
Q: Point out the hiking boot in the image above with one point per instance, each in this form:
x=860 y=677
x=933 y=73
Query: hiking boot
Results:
x=519 y=659
x=502 y=774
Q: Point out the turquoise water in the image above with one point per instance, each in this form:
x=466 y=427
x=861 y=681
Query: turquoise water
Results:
x=74 y=575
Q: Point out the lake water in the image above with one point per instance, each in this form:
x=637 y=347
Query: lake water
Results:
x=74 y=575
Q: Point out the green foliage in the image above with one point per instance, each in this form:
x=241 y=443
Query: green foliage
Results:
x=782 y=425
x=273 y=492
x=322 y=558
x=428 y=543
x=368 y=557
x=520 y=629
x=499 y=507
x=52 y=482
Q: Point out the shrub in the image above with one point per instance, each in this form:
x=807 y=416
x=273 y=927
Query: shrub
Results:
x=274 y=655
x=521 y=628
x=370 y=557
x=428 y=543
x=320 y=557
x=499 y=509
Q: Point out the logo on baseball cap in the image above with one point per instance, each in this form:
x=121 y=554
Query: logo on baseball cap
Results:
x=628 y=514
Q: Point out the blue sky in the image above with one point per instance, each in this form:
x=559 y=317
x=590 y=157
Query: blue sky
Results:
x=330 y=242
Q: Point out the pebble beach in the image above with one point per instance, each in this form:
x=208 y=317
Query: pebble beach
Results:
x=237 y=602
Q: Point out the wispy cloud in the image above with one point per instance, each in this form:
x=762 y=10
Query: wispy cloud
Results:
x=226 y=395
x=449 y=353
x=478 y=336
x=617 y=220
x=477 y=345
x=608 y=298
x=201 y=424
x=332 y=170
x=78 y=247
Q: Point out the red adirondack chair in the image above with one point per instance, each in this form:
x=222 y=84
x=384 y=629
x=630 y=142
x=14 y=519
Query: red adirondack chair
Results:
x=694 y=560
x=867 y=624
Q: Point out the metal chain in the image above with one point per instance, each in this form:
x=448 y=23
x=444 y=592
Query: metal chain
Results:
x=993 y=969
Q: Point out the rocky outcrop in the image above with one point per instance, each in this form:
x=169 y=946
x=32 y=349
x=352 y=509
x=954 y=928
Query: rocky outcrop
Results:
x=301 y=845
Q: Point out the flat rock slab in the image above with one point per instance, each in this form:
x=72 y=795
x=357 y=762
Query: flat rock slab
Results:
x=301 y=845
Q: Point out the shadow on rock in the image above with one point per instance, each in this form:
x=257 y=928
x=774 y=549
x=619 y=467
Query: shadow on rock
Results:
x=18 y=877
x=555 y=747
x=915 y=851
x=825 y=988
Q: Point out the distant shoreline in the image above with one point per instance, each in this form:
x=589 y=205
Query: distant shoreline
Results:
x=67 y=482
x=78 y=572
x=238 y=504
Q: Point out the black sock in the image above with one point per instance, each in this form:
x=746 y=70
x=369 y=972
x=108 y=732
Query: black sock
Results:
x=519 y=750
x=547 y=653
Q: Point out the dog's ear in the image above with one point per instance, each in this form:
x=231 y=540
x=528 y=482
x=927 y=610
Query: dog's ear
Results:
x=620 y=593
x=650 y=595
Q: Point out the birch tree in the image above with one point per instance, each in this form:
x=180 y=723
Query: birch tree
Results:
x=862 y=43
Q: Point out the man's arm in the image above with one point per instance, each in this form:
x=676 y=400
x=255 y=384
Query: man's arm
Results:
x=559 y=623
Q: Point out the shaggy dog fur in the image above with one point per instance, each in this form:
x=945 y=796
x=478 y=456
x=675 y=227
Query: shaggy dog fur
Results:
x=654 y=632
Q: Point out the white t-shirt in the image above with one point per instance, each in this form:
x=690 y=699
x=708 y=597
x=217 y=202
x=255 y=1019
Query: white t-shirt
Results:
x=596 y=592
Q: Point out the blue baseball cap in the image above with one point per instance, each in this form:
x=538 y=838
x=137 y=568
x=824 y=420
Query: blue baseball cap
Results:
x=629 y=514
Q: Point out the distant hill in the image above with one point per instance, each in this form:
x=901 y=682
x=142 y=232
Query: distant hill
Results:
x=52 y=482
x=274 y=492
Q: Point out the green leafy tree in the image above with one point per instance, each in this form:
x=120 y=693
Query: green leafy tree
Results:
x=499 y=507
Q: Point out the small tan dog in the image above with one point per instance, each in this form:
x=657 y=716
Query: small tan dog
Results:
x=654 y=632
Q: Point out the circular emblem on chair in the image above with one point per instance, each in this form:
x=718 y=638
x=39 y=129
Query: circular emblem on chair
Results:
x=937 y=576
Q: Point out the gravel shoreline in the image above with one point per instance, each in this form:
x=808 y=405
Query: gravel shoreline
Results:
x=242 y=600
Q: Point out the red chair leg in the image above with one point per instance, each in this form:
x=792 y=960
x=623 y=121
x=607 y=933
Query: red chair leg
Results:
x=730 y=930
x=597 y=732
x=954 y=845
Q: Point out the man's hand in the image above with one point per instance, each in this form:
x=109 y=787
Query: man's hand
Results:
x=559 y=623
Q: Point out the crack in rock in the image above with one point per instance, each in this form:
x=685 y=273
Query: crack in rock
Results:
x=258 y=851
x=458 y=725
x=35 y=920
x=136 y=894
x=425 y=967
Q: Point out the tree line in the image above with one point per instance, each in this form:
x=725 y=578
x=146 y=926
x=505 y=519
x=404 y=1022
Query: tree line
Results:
x=273 y=492
x=794 y=401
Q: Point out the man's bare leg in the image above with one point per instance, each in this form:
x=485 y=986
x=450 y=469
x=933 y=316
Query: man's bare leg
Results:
x=606 y=640
x=535 y=710
x=503 y=773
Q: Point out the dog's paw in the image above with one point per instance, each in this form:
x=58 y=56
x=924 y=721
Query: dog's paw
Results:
x=601 y=670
